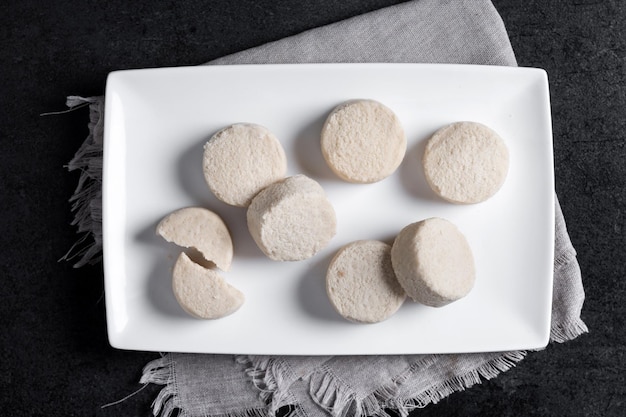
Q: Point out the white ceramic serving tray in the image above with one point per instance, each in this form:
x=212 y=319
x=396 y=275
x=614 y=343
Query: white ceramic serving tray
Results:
x=156 y=123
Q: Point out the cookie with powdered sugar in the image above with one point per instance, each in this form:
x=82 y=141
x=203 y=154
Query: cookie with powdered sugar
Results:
x=433 y=262
x=465 y=162
x=361 y=283
x=363 y=141
x=292 y=219
x=202 y=292
x=240 y=160
x=200 y=229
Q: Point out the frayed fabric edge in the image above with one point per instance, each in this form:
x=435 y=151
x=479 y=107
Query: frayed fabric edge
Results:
x=87 y=198
x=159 y=371
x=337 y=400
x=488 y=370
x=334 y=396
x=267 y=373
x=569 y=330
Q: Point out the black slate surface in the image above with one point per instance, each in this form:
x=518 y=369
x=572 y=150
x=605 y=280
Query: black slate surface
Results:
x=55 y=358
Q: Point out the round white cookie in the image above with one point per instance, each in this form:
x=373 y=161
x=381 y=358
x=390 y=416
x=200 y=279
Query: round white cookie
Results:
x=202 y=292
x=433 y=262
x=361 y=283
x=363 y=141
x=240 y=160
x=200 y=229
x=466 y=162
x=292 y=219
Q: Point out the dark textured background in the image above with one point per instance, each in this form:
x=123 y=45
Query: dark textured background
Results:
x=55 y=359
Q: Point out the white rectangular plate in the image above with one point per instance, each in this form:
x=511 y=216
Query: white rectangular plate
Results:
x=156 y=123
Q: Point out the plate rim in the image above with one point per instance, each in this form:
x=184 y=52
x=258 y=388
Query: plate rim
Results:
x=113 y=77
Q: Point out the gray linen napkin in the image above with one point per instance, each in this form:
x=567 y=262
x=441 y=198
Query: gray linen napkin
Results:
x=430 y=31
